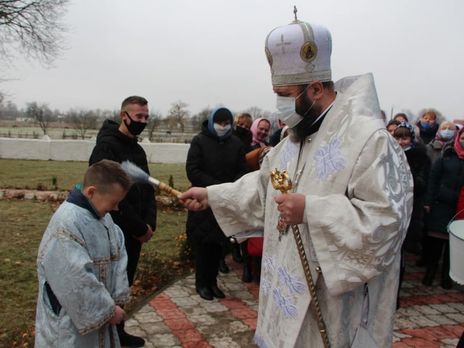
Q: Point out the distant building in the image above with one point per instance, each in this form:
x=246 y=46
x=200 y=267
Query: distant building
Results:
x=23 y=119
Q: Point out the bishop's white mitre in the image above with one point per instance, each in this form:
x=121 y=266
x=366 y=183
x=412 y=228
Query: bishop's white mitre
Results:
x=299 y=53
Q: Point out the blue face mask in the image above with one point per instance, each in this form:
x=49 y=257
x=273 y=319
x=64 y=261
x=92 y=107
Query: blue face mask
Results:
x=447 y=134
x=426 y=125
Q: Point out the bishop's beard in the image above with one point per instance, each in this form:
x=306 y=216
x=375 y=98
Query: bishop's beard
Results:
x=306 y=125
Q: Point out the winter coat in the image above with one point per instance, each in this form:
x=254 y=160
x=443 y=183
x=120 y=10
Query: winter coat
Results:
x=138 y=208
x=445 y=181
x=426 y=135
x=212 y=161
x=419 y=163
x=245 y=136
x=434 y=149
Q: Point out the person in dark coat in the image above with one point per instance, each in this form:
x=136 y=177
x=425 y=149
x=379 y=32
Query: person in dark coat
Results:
x=428 y=126
x=446 y=133
x=215 y=156
x=445 y=182
x=419 y=164
x=276 y=137
x=242 y=125
x=137 y=212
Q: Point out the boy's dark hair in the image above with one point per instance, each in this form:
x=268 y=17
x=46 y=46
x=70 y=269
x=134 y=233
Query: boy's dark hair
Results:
x=401 y=132
x=134 y=99
x=104 y=174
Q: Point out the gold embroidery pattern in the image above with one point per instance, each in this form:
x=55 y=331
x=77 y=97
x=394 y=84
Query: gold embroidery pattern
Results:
x=308 y=51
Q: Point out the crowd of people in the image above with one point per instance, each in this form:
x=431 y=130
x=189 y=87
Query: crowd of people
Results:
x=334 y=237
x=434 y=152
x=434 y=148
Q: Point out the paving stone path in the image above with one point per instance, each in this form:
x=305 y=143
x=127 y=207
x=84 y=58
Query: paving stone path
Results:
x=178 y=317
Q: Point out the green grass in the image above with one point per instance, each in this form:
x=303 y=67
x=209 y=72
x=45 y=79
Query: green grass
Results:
x=22 y=226
x=20 y=234
x=34 y=174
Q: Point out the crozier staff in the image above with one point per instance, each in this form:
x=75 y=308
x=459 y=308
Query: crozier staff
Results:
x=351 y=200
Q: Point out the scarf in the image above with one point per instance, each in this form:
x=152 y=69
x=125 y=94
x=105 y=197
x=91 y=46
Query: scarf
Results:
x=457 y=145
x=254 y=131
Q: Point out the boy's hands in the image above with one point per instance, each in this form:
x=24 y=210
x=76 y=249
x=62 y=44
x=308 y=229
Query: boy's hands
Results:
x=118 y=316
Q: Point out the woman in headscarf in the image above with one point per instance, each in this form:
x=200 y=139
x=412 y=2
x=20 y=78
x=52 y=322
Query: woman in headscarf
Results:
x=260 y=131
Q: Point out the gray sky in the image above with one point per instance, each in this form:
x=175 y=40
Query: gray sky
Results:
x=207 y=53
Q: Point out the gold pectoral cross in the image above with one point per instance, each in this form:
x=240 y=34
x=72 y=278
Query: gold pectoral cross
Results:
x=280 y=181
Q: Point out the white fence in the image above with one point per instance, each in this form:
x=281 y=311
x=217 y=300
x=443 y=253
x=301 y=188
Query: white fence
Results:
x=80 y=150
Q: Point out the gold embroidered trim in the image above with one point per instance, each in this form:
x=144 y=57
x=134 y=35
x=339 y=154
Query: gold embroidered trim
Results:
x=99 y=324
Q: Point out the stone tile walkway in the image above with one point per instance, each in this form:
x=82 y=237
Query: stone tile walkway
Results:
x=178 y=317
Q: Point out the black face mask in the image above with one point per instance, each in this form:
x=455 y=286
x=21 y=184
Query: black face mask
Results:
x=244 y=134
x=135 y=127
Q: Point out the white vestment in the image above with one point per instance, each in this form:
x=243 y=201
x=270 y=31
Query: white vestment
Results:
x=83 y=259
x=358 y=190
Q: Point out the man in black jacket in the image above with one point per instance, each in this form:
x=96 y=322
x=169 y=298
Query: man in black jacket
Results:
x=137 y=212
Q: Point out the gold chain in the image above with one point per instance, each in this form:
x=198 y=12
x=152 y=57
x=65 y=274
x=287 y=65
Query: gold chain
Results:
x=280 y=181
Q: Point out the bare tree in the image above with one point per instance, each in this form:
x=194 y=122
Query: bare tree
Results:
x=255 y=112
x=32 y=27
x=82 y=121
x=154 y=122
x=41 y=114
x=199 y=118
x=8 y=110
x=178 y=115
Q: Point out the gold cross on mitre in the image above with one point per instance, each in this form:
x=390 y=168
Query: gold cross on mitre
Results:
x=294 y=13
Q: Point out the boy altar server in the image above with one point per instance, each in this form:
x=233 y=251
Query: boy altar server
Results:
x=82 y=265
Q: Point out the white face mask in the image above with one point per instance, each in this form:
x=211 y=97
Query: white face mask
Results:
x=447 y=134
x=286 y=109
x=221 y=130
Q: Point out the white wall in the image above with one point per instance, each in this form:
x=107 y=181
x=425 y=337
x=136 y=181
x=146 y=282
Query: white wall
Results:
x=80 y=150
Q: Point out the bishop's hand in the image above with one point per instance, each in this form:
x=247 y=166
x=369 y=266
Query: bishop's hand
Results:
x=195 y=198
x=291 y=207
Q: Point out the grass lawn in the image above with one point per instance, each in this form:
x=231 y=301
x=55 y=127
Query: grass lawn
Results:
x=20 y=233
x=22 y=226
